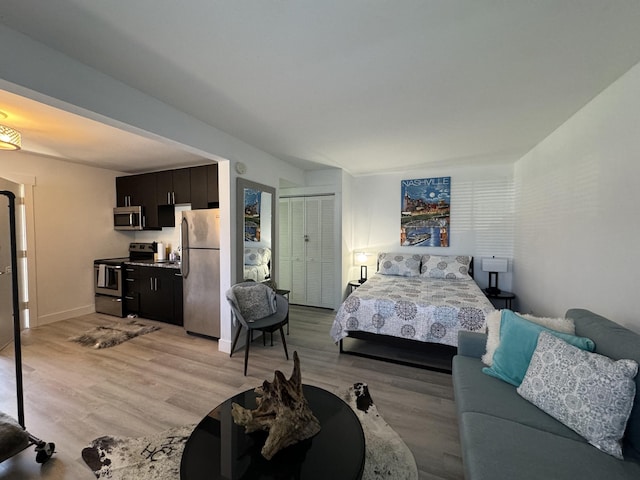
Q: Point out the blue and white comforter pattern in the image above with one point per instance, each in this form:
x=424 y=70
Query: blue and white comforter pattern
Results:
x=417 y=308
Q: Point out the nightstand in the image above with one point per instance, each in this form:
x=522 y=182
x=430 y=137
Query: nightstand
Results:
x=353 y=284
x=505 y=296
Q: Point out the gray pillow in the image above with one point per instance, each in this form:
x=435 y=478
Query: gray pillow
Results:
x=450 y=267
x=13 y=438
x=255 y=301
x=401 y=264
x=589 y=393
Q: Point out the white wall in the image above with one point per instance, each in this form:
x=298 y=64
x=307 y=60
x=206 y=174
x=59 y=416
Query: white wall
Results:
x=577 y=211
x=71 y=224
x=482 y=215
x=38 y=72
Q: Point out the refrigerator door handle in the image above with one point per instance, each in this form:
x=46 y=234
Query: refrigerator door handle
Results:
x=184 y=228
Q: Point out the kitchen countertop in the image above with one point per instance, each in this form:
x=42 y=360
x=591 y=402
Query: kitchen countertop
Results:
x=153 y=263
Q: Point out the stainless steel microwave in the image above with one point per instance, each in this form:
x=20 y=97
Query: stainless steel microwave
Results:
x=128 y=218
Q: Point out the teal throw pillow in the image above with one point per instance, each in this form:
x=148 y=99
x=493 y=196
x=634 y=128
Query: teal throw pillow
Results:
x=518 y=341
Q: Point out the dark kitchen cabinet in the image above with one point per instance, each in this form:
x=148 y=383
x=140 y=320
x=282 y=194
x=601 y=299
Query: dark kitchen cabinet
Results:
x=131 y=290
x=139 y=190
x=213 y=198
x=174 y=186
x=158 y=192
x=178 y=316
x=204 y=186
x=158 y=291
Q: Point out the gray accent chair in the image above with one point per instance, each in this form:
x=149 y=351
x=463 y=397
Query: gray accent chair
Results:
x=268 y=324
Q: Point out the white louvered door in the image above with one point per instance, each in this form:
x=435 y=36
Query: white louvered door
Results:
x=307 y=262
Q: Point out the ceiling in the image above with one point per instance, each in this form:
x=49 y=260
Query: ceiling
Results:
x=365 y=85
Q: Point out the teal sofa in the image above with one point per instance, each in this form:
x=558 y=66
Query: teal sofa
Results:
x=503 y=436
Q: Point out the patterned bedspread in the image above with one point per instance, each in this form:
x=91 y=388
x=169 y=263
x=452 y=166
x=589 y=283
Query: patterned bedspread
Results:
x=417 y=308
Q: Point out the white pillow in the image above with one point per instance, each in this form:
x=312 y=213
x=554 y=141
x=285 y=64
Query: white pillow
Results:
x=494 y=319
x=589 y=393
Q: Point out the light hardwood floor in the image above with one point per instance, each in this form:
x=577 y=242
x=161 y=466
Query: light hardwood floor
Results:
x=74 y=394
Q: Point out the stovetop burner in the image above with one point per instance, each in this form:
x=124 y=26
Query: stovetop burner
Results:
x=137 y=251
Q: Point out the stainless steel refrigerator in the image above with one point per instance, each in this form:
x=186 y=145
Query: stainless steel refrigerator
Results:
x=200 y=230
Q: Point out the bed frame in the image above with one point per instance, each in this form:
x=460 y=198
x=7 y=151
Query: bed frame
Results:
x=402 y=351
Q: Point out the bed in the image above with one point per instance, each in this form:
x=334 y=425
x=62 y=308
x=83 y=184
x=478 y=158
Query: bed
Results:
x=423 y=299
x=257 y=262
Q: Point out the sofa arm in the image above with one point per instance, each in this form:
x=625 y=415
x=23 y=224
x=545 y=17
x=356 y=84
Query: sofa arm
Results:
x=472 y=344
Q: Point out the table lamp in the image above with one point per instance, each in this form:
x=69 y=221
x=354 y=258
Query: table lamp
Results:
x=494 y=266
x=361 y=258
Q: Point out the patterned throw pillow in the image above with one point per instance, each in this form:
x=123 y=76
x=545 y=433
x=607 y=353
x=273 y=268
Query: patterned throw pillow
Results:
x=256 y=255
x=589 y=393
x=255 y=300
x=447 y=267
x=518 y=342
x=402 y=264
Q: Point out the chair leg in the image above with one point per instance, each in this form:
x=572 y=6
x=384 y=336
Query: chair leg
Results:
x=246 y=352
x=235 y=340
x=284 y=343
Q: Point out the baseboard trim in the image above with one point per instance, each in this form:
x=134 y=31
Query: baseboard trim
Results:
x=64 y=315
x=224 y=346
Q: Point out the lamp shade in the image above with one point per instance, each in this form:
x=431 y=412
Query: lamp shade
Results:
x=10 y=139
x=361 y=258
x=499 y=265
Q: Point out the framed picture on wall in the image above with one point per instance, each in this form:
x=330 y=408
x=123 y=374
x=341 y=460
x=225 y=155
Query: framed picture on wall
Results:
x=424 y=212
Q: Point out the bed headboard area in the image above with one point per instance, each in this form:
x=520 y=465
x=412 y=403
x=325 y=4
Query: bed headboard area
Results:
x=435 y=266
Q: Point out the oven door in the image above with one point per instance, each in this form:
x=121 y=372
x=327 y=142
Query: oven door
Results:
x=108 y=279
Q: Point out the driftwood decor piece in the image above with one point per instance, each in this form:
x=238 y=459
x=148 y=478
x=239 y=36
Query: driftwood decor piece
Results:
x=282 y=411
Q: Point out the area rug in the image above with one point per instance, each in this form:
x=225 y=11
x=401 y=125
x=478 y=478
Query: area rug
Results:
x=387 y=455
x=105 y=336
x=157 y=457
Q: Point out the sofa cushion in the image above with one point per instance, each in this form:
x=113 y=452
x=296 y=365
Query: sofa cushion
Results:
x=495 y=448
x=588 y=392
x=614 y=341
x=518 y=340
x=476 y=392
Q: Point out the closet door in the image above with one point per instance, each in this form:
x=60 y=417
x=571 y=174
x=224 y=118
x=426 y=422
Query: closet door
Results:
x=284 y=244
x=298 y=251
x=307 y=228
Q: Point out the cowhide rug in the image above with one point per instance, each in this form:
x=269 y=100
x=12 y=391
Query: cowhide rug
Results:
x=105 y=336
x=157 y=457
x=387 y=455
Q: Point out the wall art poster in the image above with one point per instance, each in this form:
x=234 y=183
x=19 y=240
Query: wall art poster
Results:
x=252 y=215
x=424 y=219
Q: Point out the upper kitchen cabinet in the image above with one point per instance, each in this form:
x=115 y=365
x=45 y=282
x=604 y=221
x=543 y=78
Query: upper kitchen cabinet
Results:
x=204 y=186
x=174 y=186
x=158 y=192
x=135 y=190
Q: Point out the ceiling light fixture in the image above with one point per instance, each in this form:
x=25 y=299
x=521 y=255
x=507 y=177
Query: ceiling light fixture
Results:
x=10 y=139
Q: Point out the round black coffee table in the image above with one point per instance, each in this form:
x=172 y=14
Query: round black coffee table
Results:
x=219 y=449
